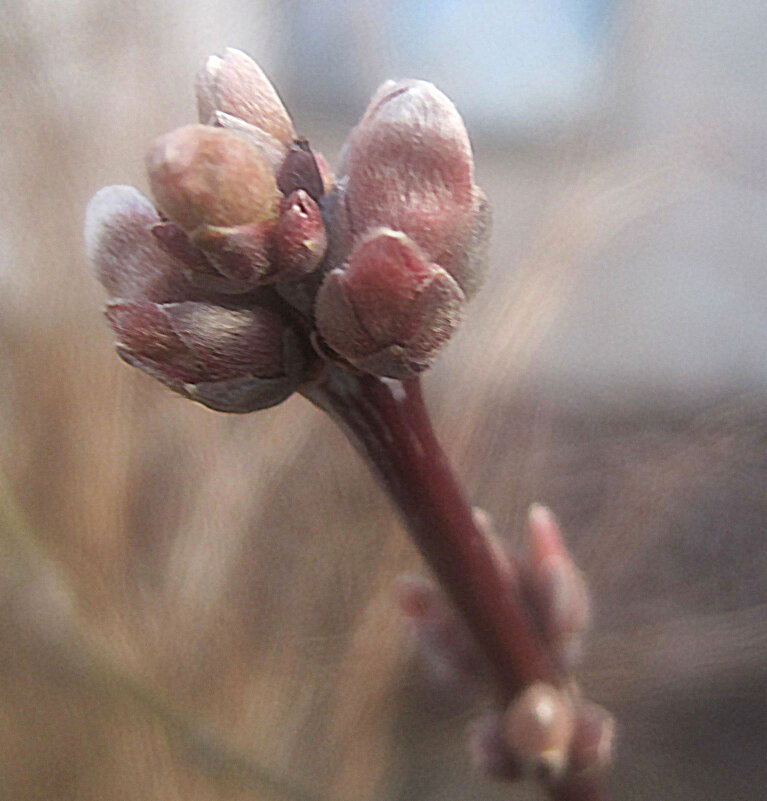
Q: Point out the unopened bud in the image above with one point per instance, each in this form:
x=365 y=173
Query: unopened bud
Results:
x=390 y=310
x=558 y=589
x=410 y=168
x=300 y=170
x=298 y=239
x=539 y=728
x=202 y=176
x=593 y=739
x=241 y=253
x=230 y=360
x=124 y=253
x=234 y=84
x=445 y=646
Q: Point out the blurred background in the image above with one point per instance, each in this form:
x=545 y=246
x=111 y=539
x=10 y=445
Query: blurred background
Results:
x=189 y=599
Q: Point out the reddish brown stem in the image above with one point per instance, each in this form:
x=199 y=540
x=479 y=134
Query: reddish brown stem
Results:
x=388 y=423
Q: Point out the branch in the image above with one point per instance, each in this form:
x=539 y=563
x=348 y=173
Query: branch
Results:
x=388 y=423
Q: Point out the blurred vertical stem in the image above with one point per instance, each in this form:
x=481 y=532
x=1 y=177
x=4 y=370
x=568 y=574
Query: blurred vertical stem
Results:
x=389 y=424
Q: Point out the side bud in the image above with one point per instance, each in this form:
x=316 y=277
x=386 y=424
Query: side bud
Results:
x=229 y=360
x=390 y=310
x=203 y=178
x=124 y=253
x=298 y=239
x=235 y=85
x=539 y=727
x=557 y=589
x=593 y=740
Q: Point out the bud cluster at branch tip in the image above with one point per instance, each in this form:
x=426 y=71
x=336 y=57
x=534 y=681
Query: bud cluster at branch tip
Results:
x=253 y=261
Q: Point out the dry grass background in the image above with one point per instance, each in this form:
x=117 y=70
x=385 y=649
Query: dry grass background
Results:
x=242 y=567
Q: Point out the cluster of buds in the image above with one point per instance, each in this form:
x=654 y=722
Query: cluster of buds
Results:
x=548 y=731
x=254 y=263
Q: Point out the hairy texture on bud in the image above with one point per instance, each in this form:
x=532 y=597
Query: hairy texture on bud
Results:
x=203 y=177
x=468 y=263
x=539 y=728
x=298 y=239
x=230 y=360
x=234 y=84
x=410 y=168
x=124 y=253
x=391 y=310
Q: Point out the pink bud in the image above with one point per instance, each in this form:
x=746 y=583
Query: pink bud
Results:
x=234 y=84
x=202 y=176
x=558 y=590
x=539 y=728
x=241 y=253
x=124 y=253
x=593 y=740
x=298 y=239
x=391 y=310
x=230 y=360
x=410 y=168
x=444 y=643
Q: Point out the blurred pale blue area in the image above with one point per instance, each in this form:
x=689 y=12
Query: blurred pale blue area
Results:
x=507 y=64
x=554 y=92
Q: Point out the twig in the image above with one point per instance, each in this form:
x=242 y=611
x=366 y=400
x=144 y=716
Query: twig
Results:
x=388 y=423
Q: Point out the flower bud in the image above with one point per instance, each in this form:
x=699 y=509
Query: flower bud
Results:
x=298 y=239
x=558 y=591
x=241 y=253
x=539 y=728
x=230 y=360
x=124 y=253
x=445 y=646
x=391 y=310
x=234 y=84
x=410 y=168
x=209 y=177
x=300 y=170
x=593 y=739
